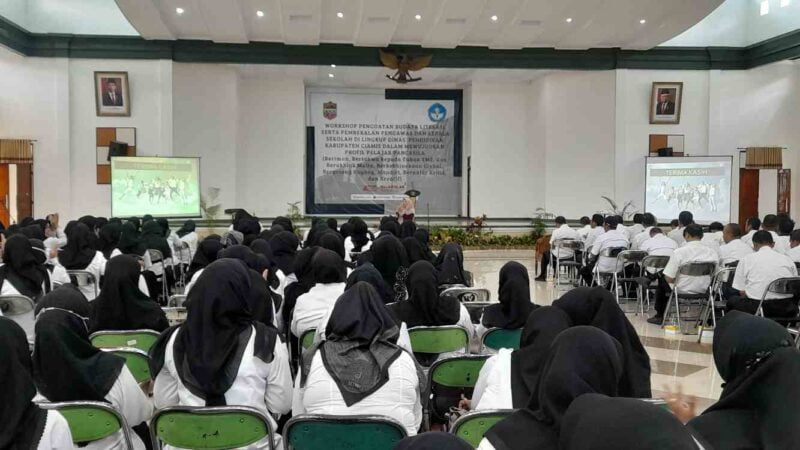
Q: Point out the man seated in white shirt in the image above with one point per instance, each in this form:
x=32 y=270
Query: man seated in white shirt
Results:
x=597 y=230
x=612 y=238
x=713 y=239
x=794 y=243
x=685 y=218
x=694 y=251
x=586 y=227
x=648 y=222
x=658 y=244
x=785 y=228
x=752 y=225
x=754 y=274
x=637 y=226
x=734 y=249
x=561 y=233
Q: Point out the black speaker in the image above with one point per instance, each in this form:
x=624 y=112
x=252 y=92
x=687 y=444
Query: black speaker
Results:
x=666 y=151
x=117 y=149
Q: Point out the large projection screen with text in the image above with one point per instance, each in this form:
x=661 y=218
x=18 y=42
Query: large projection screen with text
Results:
x=700 y=184
x=162 y=187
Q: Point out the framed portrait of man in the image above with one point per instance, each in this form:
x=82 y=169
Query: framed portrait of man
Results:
x=665 y=103
x=112 y=95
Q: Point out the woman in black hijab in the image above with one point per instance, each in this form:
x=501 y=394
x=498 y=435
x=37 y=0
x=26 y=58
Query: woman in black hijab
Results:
x=514 y=295
x=207 y=252
x=424 y=307
x=137 y=224
x=284 y=248
x=346 y=230
x=109 y=238
x=359 y=239
x=581 y=360
x=414 y=250
x=129 y=243
x=758 y=406
x=34 y=231
x=389 y=257
x=329 y=276
x=303 y=271
x=265 y=303
x=121 y=305
x=368 y=273
x=407 y=229
x=433 y=440
x=599 y=422
x=164 y=224
x=24 y=423
x=423 y=236
x=285 y=223
x=152 y=238
x=188 y=227
x=267 y=234
x=318 y=228
x=597 y=307
x=390 y=226
x=100 y=222
x=79 y=251
x=450 y=265
x=332 y=241
x=21 y=268
x=91 y=224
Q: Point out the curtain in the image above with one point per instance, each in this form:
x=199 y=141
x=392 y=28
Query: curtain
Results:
x=16 y=151
x=764 y=158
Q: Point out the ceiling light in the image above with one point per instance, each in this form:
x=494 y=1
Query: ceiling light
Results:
x=764 y=7
x=179 y=10
x=785 y=3
x=418 y=17
x=340 y=14
x=643 y=21
x=330 y=75
x=569 y=19
x=333 y=66
x=494 y=18
x=260 y=13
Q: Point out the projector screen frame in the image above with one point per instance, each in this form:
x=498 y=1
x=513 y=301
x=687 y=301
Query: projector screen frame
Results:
x=711 y=158
x=199 y=214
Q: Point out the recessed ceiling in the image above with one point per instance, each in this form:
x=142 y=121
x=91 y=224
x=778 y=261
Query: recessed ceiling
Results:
x=442 y=23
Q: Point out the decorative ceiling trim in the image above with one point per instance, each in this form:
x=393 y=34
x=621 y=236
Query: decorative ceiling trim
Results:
x=779 y=48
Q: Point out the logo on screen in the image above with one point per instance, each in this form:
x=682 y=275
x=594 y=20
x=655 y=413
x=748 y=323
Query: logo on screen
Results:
x=329 y=110
x=437 y=112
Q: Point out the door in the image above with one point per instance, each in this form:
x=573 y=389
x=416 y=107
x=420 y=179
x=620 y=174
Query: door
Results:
x=5 y=215
x=24 y=191
x=748 y=195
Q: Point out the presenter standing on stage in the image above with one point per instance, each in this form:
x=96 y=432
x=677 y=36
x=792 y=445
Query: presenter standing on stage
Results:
x=406 y=210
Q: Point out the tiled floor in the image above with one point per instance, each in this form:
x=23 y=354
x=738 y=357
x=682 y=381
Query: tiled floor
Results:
x=677 y=361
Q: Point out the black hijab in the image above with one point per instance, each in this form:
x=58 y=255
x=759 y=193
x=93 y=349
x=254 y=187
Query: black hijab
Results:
x=361 y=343
x=109 y=238
x=390 y=227
x=450 y=264
x=360 y=234
x=254 y=261
x=407 y=229
x=34 y=231
x=152 y=238
x=207 y=252
x=758 y=406
x=581 y=360
x=21 y=267
x=318 y=228
x=388 y=256
x=137 y=224
x=598 y=422
x=249 y=227
x=23 y=421
x=332 y=241
x=100 y=222
x=328 y=267
x=267 y=234
x=346 y=230
x=164 y=224
x=285 y=223
x=515 y=299
x=188 y=227
x=303 y=271
x=89 y=221
x=424 y=238
x=597 y=307
x=541 y=328
x=209 y=346
x=129 y=243
x=414 y=250
x=368 y=273
x=424 y=307
x=79 y=251
x=239 y=217
x=66 y=366
x=284 y=248
x=433 y=440
x=121 y=305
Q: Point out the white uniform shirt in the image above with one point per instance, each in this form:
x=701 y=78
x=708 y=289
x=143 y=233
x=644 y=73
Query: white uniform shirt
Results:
x=264 y=386
x=314 y=305
x=634 y=230
x=748 y=238
x=348 y=247
x=693 y=251
x=593 y=235
x=659 y=245
x=609 y=239
x=677 y=235
x=734 y=250
x=399 y=398
x=56 y=434
x=639 y=238
x=782 y=244
x=97 y=267
x=756 y=271
x=713 y=240
x=584 y=231
x=560 y=233
x=794 y=254
x=493 y=388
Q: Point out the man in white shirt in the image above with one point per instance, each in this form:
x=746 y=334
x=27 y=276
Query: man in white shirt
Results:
x=597 y=230
x=755 y=273
x=794 y=242
x=648 y=222
x=658 y=244
x=612 y=238
x=734 y=249
x=586 y=228
x=785 y=228
x=561 y=233
x=694 y=251
x=685 y=218
x=713 y=239
x=637 y=226
x=752 y=225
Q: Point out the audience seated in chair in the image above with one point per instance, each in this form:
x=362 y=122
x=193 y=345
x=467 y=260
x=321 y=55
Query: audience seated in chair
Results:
x=562 y=232
x=329 y=276
x=514 y=301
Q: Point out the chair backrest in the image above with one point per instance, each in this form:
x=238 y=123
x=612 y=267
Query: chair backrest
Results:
x=318 y=432
x=631 y=256
x=155 y=255
x=568 y=244
x=797 y=265
x=656 y=262
x=466 y=294
x=175 y=315
x=448 y=338
x=697 y=269
x=785 y=286
x=497 y=338
x=176 y=300
x=307 y=339
x=15 y=305
x=137 y=361
x=722 y=275
x=612 y=252
x=457 y=371
x=139 y=339
x=82 y=278
x=92 y=421
x=471 y=427
x=210 y=427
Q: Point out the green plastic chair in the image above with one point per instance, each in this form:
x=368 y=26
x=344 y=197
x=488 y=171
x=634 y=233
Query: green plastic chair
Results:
x=449 y=378
x=443 y=339
x=141 y=339
x=471 y=427
x=307 y=340
x=318 y=432
x=137 y=361
x=91 y=421
x=219 y=427
x=497 y=338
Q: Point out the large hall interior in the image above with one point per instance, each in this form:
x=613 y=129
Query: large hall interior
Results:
x=399 y=224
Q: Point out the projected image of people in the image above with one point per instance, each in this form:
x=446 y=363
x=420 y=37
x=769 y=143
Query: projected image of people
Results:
x=160 y=186
x=701 y=185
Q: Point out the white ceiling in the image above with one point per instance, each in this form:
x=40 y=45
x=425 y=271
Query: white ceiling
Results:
x=443 y=23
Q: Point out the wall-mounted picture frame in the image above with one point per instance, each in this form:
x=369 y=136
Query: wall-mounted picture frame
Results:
x=112 y=95
x=665 y=103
